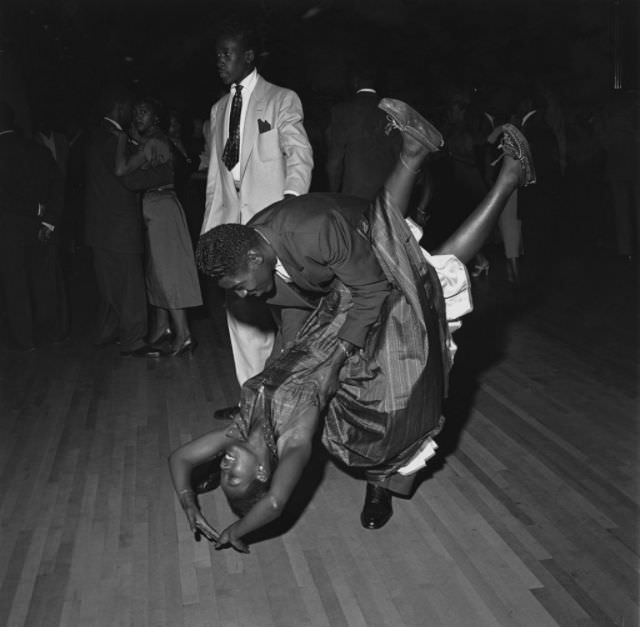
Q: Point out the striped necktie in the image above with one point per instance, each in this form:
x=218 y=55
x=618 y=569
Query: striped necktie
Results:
x=231 y=152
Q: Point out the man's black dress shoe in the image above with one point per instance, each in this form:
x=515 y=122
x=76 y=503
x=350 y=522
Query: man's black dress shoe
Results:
x=377 y=507
x=226 y=413
x=143 y=351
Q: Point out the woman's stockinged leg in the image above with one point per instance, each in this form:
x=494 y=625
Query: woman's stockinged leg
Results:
x=399 y=184
x=180 y=325
x=419 y=138
x=159 y=324
x=471 y=235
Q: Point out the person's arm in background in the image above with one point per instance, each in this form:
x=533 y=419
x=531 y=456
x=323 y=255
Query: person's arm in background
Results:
x=49 y=185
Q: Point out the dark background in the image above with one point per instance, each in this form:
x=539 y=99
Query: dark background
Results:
x=58 y=53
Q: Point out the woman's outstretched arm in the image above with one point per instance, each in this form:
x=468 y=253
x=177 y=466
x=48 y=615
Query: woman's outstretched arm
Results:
x=181 y=464
x=272 y=504
x=294 y=455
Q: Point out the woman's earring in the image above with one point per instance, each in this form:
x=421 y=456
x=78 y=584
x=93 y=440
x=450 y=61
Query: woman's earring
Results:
x=261 y=474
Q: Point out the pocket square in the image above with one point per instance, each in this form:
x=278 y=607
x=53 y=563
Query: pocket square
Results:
x=263 y=126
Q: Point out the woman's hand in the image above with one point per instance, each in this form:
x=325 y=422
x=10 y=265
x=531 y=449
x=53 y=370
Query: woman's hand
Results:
x=228 y=538
x=197 y=522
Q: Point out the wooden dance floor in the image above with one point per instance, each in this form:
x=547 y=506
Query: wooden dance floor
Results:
x=528 y=516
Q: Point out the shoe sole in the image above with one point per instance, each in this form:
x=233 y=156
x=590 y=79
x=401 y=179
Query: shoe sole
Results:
x=431 y=138
x=515 y=144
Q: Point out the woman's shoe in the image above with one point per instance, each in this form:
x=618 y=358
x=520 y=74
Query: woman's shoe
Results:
x=515 y=144
x=408 y=120
x=165 y=336
x=482 y=267
x=188 y=346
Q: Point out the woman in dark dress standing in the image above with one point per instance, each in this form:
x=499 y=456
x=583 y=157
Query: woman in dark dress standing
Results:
x=171 y=275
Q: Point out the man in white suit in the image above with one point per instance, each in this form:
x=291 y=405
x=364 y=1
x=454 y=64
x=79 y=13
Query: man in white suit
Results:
x=260 y=153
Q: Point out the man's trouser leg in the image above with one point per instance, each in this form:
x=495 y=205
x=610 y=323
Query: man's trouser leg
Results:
x=252 y=331
x=123 y=309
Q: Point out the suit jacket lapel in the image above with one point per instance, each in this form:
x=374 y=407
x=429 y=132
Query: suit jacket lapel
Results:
x=255 y=109
x=220 y=128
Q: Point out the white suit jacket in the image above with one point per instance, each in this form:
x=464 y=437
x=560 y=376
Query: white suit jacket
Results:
x=275 y=156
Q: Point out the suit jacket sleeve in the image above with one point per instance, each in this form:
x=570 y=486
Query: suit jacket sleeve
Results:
x=351 y=258
x=295 y=145
x=49 y=184
x=213 y=162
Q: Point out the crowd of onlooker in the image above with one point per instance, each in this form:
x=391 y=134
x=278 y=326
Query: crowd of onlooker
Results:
x=585 y=198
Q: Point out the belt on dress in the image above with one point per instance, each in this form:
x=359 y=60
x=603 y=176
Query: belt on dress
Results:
x=162 y=188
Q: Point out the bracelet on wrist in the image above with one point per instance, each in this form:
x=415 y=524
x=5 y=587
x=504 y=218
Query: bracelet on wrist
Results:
x=185 y=494
x=347 y=348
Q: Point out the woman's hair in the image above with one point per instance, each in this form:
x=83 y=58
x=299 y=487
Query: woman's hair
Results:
x=158 y=109
x=241 y=505
x=222 y=251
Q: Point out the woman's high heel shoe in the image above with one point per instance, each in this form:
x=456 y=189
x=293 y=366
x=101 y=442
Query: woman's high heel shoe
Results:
x=188 y=346
x=480 y=268
x=165 y=336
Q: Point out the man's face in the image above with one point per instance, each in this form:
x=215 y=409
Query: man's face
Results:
x=233 y=61
x=255 y=279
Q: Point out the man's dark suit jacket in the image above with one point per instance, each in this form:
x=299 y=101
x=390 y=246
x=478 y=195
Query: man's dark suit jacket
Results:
x=360 y=154
x=544 y=148
x=318 y=238
x=112 y=205
x=28 y=176
x=113 y=219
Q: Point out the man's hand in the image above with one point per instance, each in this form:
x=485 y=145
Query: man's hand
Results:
x=228 y=538
x=328 y=374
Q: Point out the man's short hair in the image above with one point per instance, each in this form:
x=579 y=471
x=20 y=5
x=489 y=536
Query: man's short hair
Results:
x=243 y=31
x=222 y=251
x=111 y=96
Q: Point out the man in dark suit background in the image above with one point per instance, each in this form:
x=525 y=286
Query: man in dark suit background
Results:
x=360 y=154
x=539 y=204
x=114 y=231
x=30 y=208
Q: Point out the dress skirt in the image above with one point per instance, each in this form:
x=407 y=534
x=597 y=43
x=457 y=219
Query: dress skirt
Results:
x=171 y=275
x=391 y=392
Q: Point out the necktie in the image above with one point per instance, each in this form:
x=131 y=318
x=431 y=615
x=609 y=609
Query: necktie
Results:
x=231 y=152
